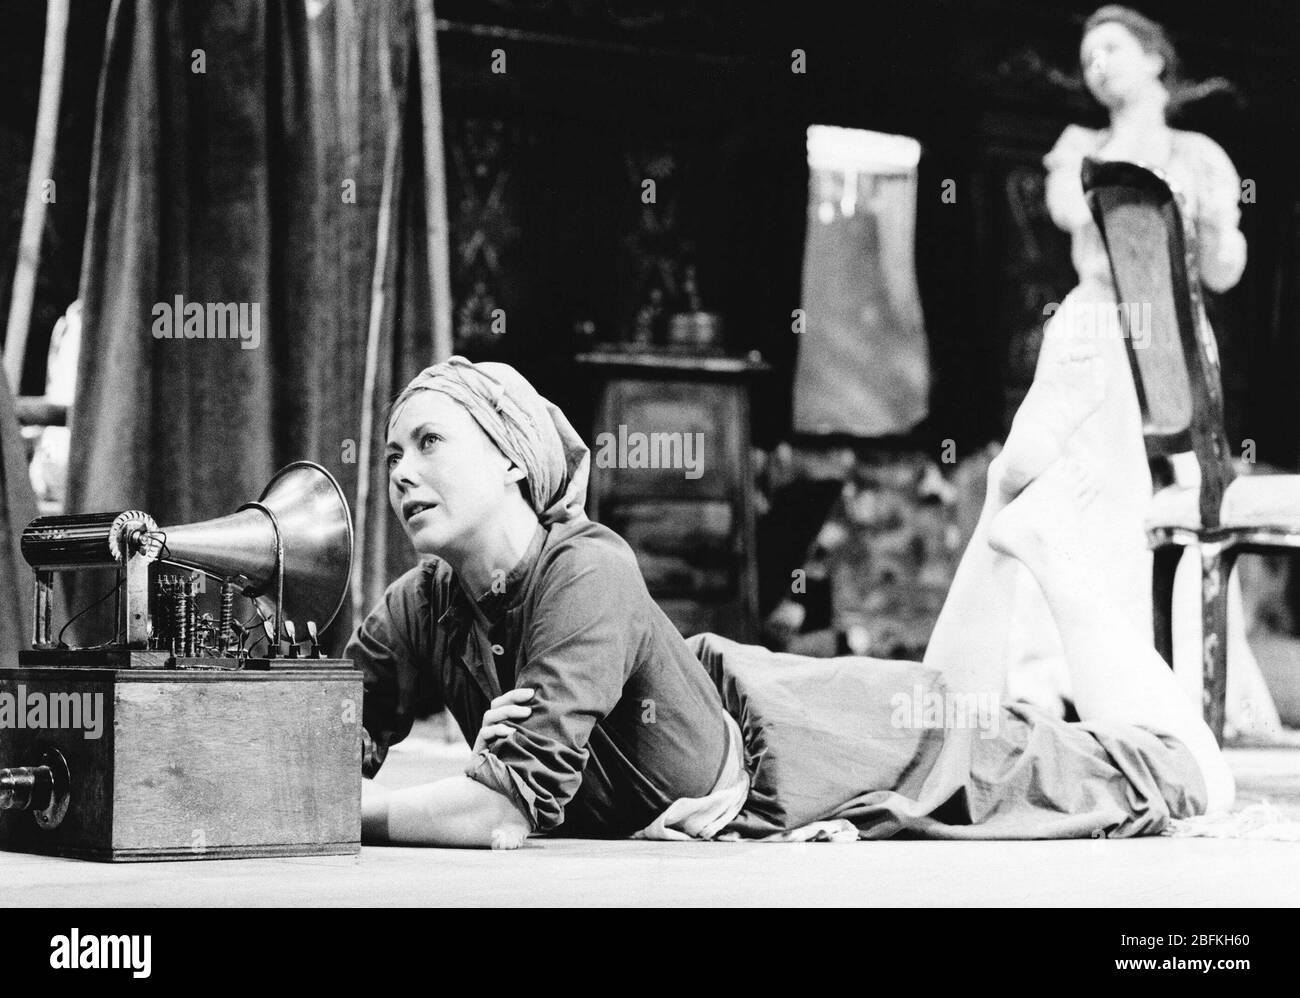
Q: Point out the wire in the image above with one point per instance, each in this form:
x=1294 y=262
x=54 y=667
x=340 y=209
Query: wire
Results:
x=191 y=568
x=59 y=639
x=216 y=578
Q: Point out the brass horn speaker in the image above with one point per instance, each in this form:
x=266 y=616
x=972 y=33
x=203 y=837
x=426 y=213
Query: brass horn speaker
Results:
x=291 y=549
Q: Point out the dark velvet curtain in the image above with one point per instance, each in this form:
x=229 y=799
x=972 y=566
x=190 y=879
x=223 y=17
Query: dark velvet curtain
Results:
x=17 y=508
x=246 y=153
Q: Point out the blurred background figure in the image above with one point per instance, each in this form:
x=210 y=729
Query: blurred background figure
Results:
x=1131 y=69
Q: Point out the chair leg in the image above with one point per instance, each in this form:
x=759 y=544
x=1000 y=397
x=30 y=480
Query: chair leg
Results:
x=1217 y=560
x=1164 y=566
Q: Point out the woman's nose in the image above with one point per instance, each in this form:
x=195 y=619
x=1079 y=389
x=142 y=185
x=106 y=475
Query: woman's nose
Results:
x=401 y=474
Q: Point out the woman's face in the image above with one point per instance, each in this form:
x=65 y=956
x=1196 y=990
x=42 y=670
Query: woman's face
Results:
x=1115 y=66
x=447 y=481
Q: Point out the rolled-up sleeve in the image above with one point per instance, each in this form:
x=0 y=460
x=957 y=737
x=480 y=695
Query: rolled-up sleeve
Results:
x=391 y=648
x=580 y=647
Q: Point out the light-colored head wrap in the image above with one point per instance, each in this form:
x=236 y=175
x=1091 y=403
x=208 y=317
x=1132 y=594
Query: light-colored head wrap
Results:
x=527 y=428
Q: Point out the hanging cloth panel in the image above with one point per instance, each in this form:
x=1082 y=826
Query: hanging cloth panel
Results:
x=864 y=366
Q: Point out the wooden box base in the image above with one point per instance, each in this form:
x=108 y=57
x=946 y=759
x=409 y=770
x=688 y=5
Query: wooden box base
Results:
x=171 y=764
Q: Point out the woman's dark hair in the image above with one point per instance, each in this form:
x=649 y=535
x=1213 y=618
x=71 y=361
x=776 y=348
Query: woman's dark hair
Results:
x=1154 y=39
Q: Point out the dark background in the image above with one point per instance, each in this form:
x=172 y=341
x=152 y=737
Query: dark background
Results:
x=545 y=164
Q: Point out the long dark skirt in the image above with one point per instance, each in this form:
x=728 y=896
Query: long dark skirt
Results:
x=884 y=745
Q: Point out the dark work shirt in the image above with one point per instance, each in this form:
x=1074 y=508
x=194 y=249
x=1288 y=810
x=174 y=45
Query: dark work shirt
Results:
x=624 y=719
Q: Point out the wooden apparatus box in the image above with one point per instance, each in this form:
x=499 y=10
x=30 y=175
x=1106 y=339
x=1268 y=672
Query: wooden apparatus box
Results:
x=187 y=763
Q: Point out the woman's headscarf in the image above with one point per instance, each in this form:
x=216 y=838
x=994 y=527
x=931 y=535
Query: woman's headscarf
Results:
x=527 y=428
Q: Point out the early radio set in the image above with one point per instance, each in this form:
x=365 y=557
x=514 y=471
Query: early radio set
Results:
x=215 y=736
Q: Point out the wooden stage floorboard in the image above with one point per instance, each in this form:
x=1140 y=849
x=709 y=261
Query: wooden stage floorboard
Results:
x=1157 y=872
x=1154 y=872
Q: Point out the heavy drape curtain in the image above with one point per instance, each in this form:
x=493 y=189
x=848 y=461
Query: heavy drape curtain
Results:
x=17 y=508
x=264 y=154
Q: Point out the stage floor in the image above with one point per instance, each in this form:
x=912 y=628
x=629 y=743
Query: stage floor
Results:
x=1154 y=871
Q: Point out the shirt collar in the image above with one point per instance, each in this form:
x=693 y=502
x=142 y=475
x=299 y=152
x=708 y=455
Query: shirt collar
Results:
x=497 y=601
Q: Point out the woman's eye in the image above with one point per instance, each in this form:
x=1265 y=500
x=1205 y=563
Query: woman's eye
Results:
x=390 y=462
x=428 y=439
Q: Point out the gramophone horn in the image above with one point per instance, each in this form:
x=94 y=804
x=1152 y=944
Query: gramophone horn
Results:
x=305 y=504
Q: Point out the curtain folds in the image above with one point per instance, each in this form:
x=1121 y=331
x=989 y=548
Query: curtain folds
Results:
x=17 y=509
x=245 y=155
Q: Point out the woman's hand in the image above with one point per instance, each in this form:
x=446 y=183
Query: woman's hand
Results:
x=452 y=812
x=509 y=706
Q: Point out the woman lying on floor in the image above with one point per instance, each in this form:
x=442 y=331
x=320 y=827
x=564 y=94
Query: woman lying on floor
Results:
x=589 y=714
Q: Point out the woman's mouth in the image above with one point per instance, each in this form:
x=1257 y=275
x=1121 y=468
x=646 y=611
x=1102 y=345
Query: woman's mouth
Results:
x=414 y=507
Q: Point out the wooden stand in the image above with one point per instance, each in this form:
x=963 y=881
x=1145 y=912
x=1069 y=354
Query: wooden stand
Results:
x=188 y=763
x=693 y=536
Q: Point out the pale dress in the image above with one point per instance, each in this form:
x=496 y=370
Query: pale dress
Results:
x=1110 y=442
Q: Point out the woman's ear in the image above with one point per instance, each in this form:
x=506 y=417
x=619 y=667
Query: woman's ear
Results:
x=514 y=473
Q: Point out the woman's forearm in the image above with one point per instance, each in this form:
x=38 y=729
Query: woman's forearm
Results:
x=1223 y=255
x=452 y=812
x=1065 y=200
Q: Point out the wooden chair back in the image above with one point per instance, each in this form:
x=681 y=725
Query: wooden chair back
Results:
x=1171 y=347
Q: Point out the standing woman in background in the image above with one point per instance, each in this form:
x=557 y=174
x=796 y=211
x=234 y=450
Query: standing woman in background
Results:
x=1130 y=67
